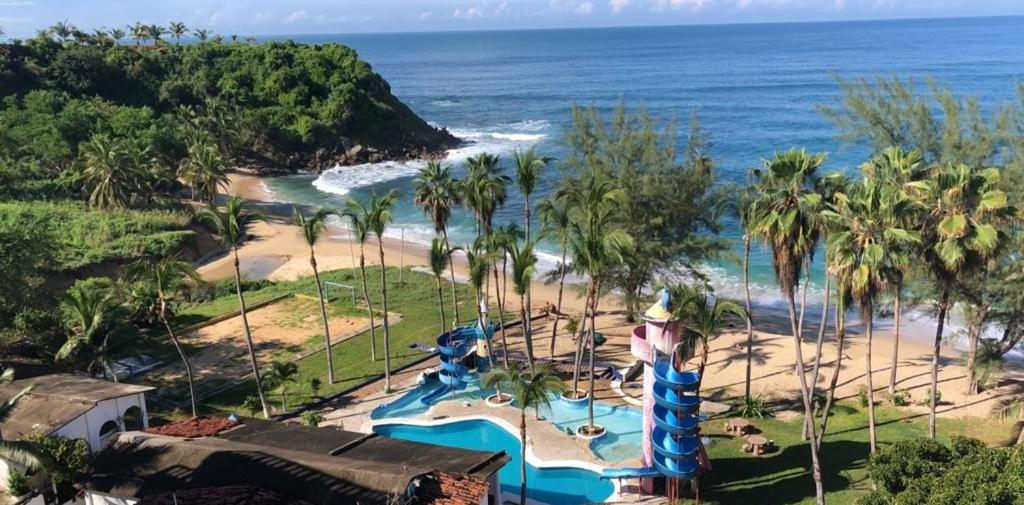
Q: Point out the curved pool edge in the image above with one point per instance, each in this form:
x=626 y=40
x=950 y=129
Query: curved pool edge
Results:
x=531 y=457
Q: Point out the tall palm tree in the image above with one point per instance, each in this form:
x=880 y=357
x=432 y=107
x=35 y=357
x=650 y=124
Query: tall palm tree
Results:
x=379 y=219
x=155 y=32
x=524 y=263
x=359 y=216
x=202 y=34
x=783 y=213
x=312 y=227
x=19 y=451
x=63 y=30
x=597 y=244
x=869 y=241
x=478 y=260
x=232 y=228
x=117 y=34
x=138 y=32
x=167 y=276
x=899 y=168
x=436 y=191
x=843 y=300
x=504 y=238
x=494 y=244
x=744 y=209
x=440 y=259
x=105 y=171
x=963 y=208
x=532 y=389
x=204 y=170
x=554 y=218
x=529 y=167
x=177 y=30
x=86 y=312
x=483 y=190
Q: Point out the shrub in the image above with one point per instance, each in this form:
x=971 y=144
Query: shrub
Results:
x=862 y=396
x=252 y=404
x=17 y=484
x=927 y=400
x=314 y=386
x=754 y=407
x=70 y=457
x=900 y=398
x=312 y=418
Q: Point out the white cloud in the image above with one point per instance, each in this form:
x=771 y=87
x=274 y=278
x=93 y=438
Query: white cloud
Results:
x=839 y=4
x=323 y=18
x=425 y=16
x=695 y=5
x=215 y=17
x=585 y=9
x=262 y=16
x=617 y=5
x=17 y=4
x=468 y=13
x=295 y=16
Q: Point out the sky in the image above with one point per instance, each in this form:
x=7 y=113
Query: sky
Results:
x=22 y=18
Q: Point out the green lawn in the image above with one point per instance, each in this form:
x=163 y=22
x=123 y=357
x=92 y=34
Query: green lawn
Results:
x=784 y=476
x=415 y=301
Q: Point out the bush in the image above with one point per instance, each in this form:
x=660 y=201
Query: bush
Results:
x=927 y=400
x=862 y=396
x=17 y=484
x=754 y=407
x=900 y=398
x=312 y=418
x=252 y=404
x=70 y=457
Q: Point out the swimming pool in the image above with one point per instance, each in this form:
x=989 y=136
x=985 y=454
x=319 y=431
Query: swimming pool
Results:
x=554 y=485
x=623 y=424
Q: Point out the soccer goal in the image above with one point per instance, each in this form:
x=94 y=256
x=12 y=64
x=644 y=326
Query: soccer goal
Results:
x=328 y=285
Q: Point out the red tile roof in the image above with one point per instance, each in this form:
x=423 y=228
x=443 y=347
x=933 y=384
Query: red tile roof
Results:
x=444 y=488
x=196 y=427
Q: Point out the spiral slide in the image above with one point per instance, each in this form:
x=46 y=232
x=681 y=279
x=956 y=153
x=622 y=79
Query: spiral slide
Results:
x=453 y=347
x=676 y=421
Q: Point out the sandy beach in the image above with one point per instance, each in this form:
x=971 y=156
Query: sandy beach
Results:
x=277 y=252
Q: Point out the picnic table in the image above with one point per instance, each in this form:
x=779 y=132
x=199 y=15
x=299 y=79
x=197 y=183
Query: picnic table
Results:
x=758 y=444
x=738 y=426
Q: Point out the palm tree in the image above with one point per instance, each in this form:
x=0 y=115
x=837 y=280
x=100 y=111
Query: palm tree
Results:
x=359 y=215
x=177 y=30
x=529 y=166
x=19 y=451
x=483 y=190
x=278 y=375
x=504 y=237
x=104 y=169
x=478 y=260
x=842 y=302
x=494 y=247
x=155 y=32
x=704 y=314
x=783 y=213
x=532 y=389
x=554 y=218
x=597 y=244
x=202 y=34
x=117 y=34
x=524 y=263
x=167 y=276
x=440 y=259
x=868 y=242
x=63 y=30
x=963 y=208
x=232 y=228
x=436 y=191
x=379 y=219
x=204 y=170
x=312 y=227
x=899 y=168
x=744 y=208
x=86 y=313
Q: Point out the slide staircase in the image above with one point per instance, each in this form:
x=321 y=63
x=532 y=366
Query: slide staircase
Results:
x=453 y=348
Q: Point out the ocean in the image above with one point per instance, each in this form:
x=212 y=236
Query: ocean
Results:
x=755 y=88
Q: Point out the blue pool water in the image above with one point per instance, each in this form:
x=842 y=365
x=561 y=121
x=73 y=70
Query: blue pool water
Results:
x=621 y=442
x=563 y=485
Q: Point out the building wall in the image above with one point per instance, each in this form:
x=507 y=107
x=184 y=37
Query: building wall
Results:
x=89 y=425
x=95 y=498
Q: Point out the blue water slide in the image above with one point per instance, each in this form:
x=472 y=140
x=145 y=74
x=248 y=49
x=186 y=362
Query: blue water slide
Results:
x=630 y=473
x=452 y=348
x=676 y=415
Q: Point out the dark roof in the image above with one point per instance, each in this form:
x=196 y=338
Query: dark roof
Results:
x=316 y=465
x=56 y=400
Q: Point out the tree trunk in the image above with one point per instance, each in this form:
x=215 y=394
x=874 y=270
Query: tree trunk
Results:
x=522 y=456
x=501 y=321
x=840 y=337
x=181 y=353
x=869 y=323
x=451 y=269
x=932 y=402
x=895 y=340
x=528 y=309
x=1020 y=422
x=973 y=336
x=384 y=303
x=803 y=306
x=750 y=321
x=248 y=338
x=323 y=314
x=817 y=352
x=527 y=337
x=799 y=365
x=369 y=307
x=440 y=305
x=590 y=384
x=558 y=308
x=578 y=362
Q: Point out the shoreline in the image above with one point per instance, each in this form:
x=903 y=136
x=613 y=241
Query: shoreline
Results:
x=278 y=252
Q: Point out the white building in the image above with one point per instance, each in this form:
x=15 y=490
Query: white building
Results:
x=73 y=406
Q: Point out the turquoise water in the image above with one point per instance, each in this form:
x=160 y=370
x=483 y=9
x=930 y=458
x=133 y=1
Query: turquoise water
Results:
x=755 y=87
x=622 y=441
x=562 y=486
